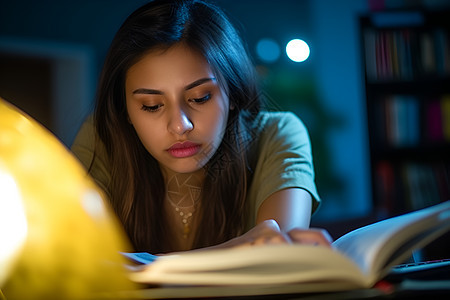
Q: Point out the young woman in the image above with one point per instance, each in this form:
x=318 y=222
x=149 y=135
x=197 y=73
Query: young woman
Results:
x=180 y=145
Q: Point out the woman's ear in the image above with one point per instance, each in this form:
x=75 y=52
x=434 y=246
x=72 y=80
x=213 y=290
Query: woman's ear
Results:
x=232 y=106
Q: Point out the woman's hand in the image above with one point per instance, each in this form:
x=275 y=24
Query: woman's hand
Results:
x=268 y=232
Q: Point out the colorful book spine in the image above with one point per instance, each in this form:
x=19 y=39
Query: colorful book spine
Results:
x=418 y=184
x=406 y=54
x=445 y=108
x=409 y=121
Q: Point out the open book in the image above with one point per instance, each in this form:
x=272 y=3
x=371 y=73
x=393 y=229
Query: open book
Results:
x=359 y=259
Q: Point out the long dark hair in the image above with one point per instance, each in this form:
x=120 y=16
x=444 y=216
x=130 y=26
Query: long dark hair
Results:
x=204 y=28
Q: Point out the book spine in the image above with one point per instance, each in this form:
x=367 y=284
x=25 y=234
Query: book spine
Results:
x=385 y=183
x=427 y=55
x=440 y=49
x=408 y=54
x=401 y=122
x=434 y=121
x=423 y=184
x=445 y=108
x=370 y=46
x=418 y=184
x=408 y=121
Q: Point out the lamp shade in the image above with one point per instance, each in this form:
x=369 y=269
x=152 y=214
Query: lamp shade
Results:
x=58 y=237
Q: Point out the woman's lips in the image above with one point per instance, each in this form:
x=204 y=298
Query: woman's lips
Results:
x=185 y=149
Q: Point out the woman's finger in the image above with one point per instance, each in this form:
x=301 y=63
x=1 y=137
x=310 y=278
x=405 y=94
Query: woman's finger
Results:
x=274 y=238
x=313 y=236
x=267 y=232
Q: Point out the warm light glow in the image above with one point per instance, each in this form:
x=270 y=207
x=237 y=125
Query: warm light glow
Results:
x=93 y=204
x=297 y=50
x=13 y=222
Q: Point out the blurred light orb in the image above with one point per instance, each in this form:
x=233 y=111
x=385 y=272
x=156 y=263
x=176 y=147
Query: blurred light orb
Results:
x=268 y=50
x=297 y=50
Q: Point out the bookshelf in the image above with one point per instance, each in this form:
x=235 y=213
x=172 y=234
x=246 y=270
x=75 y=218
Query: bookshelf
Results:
x=406 y=59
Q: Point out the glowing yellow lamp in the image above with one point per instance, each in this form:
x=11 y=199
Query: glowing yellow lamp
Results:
x=58 y=238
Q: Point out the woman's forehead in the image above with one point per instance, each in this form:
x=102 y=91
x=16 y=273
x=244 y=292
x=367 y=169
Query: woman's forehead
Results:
x=177 y=62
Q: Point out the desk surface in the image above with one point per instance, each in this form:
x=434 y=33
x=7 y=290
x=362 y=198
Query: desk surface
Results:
x=407 y=289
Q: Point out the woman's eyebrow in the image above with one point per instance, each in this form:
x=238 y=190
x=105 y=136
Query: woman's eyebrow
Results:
x=187 y=87
x=147 y=91
x=198 y=82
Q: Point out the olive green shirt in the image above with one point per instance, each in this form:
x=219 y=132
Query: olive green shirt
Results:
x=280 y=148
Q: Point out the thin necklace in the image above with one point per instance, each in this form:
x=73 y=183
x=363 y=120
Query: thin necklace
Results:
x=183 y=193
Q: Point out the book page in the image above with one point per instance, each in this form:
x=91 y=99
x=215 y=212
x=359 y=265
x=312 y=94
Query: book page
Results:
x=356 y=259
x=374 y=247
x=257 y=265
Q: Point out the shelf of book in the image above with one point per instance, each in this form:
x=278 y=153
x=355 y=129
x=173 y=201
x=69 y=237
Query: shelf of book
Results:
x=406 y=58
x=409 y=120
x=410 y=50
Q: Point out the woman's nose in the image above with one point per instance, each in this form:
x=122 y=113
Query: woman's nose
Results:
x=179 y=122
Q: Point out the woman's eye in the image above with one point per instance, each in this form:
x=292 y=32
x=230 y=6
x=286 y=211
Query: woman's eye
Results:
x=151 y=108
x=202 y=99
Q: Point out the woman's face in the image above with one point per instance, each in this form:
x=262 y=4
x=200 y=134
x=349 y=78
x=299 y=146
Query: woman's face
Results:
x=177 y=107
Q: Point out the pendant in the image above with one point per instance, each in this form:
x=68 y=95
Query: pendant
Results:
x=186 y=230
